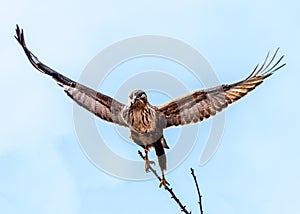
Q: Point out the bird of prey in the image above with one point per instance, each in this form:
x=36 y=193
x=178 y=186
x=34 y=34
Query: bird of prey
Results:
x=147 y=122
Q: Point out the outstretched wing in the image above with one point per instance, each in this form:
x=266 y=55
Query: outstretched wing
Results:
x=202 y=104
x=99 y=104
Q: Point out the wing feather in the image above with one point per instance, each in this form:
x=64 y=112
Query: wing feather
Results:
x=99 y=104
x=203 y=104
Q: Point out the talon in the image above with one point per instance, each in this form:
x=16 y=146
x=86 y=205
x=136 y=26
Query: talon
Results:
x=147 y=165
x=163 y=182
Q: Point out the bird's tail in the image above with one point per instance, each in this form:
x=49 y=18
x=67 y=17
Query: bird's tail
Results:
x=160 y=153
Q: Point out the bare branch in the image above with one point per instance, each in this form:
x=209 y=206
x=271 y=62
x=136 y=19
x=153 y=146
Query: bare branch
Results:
x=170 y=190
x=198 y=190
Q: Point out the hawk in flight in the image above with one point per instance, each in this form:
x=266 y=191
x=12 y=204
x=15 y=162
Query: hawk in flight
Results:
x=147 y=122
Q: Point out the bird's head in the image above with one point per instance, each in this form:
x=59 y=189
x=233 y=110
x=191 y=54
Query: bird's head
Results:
x=138 y=98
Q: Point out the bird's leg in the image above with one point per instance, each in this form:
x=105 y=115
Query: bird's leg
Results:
x=147 y=161
x=163 y=181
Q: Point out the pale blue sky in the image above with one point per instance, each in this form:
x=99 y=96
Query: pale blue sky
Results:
x=44 y=170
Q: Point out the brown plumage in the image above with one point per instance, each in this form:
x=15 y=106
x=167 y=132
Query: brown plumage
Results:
x=147 y=122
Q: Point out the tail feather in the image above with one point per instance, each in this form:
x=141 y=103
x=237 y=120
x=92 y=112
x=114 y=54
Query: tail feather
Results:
x=164 y=143
x=160 y=153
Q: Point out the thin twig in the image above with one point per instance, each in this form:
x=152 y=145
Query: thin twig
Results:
x=170 y=190
x=198 y=191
